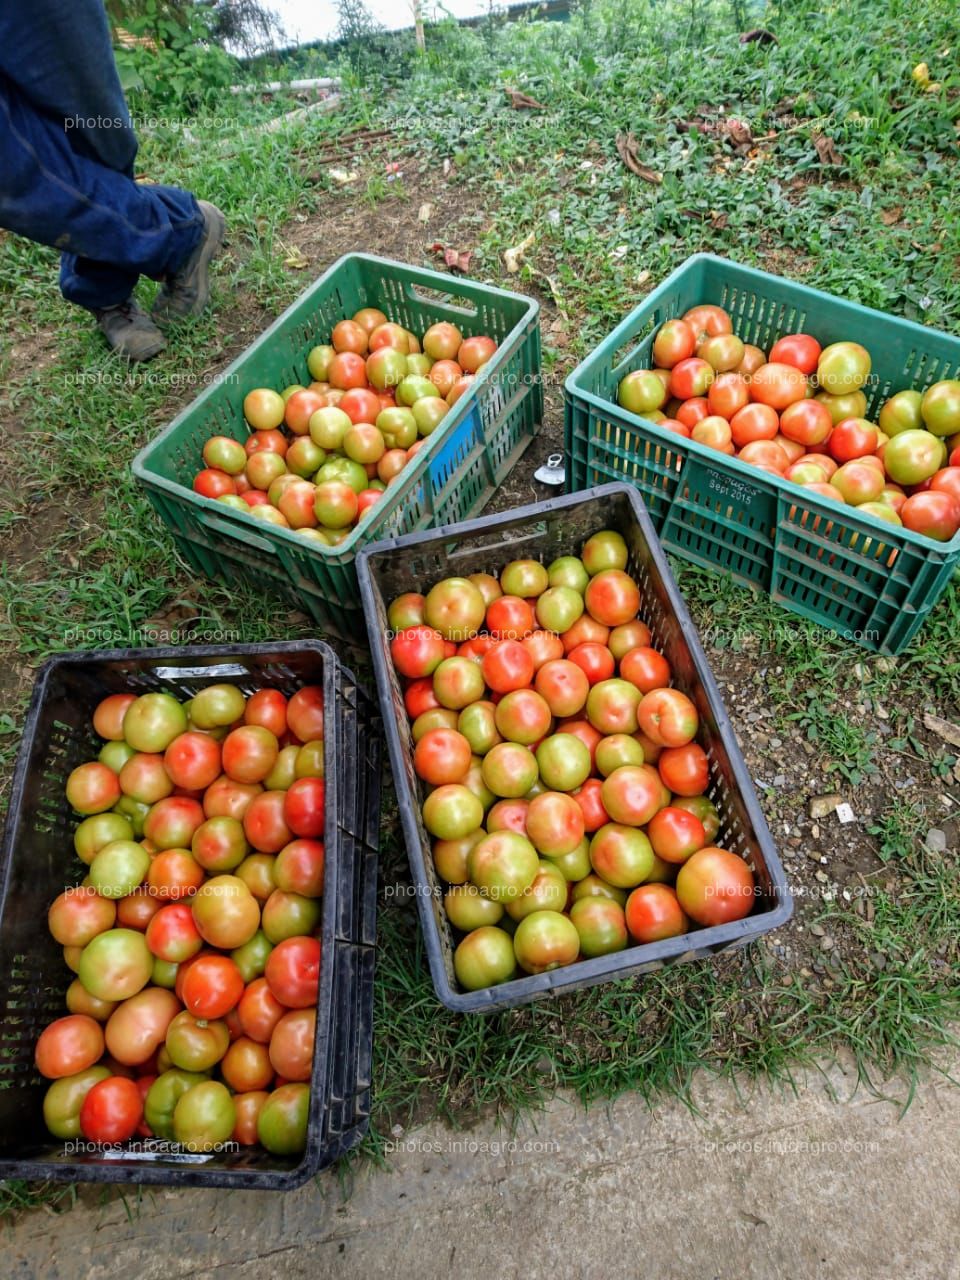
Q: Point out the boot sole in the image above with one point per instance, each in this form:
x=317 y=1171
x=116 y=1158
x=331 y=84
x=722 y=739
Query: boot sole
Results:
x=213 y=243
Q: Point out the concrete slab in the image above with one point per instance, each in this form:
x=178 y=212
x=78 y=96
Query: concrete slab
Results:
x=828 y=1183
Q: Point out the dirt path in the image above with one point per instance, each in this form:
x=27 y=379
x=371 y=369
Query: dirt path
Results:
x=779 y=1187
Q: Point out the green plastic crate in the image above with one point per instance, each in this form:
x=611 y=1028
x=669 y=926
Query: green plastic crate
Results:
x=871 y=582
x=452 y=477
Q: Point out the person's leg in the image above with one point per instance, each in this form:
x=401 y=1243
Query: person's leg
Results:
x=57 y=73
x=51 y=194
x=59 y=55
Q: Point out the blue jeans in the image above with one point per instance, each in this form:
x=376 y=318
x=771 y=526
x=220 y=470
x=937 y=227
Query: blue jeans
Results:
x=67 y=151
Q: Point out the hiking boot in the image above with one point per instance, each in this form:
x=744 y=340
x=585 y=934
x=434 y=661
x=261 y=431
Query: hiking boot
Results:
x=187 y=291
x=130 y=331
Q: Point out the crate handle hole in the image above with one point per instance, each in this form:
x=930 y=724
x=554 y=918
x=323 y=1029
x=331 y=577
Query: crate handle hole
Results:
x=248 y=538
x=438 y=298
x=625 y=353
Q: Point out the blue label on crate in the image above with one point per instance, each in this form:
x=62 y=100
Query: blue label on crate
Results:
x=447 y=461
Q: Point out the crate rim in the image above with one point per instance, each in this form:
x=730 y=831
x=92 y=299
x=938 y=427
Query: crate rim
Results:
x=149 y=1173
x=504 y=995
x=346 y=549
x=866 y=523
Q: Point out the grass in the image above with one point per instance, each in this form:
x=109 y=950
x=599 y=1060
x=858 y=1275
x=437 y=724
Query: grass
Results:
x=84 y=555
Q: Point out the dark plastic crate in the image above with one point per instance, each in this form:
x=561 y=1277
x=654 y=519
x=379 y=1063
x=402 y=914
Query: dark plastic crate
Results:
x=37 y=862
x=871 y=581
x=452 y=477
x=544 y=531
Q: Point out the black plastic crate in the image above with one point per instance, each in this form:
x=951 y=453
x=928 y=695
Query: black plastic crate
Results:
x=37 y=862
x=544 y=531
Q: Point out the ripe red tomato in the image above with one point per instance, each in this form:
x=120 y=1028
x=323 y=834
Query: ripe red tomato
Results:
x=174 y=874
x=728 y=394
x=212 y=986
x=542 y=646
x=111 y=1111
x=291 y=1045
x=347 y=370
x=947 y=480
x=210 y=483
x=594 y=660
x=675 y=341
x=808 y=422
x=507 y=665
x=853 y=438
x=264 y=821
x=69 y=1045
x=268 y=708
x=270 y=441
x=777 y=385
x=305 y=713
x=293 y=972
x=676 y=834
x=303 y=809
x=259 y=1011
x=612 y=597
x=360 y=405
x=653 y=912
x=934 y=513
x=172 y=933
x=754 y=422
x=442 y=755
x=590 y=799
x=692 y=411
x=510 y=618
x=420 y=697
x=249 y=753
x=645 y=668
x=767 y=454
x=798 y=349
x=708 y=321
x=690 y=378
x=685 y=770
x=563 y=685
x=418 y=651
x=192 y=760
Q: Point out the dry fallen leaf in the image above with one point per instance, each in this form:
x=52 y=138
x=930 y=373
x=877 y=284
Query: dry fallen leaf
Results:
x=889 y=216
x=425 y=212
x=295 y=260
x=511 y=257
x=826 y=149
x=627 y=148
x=523 y=102
x=943 y=729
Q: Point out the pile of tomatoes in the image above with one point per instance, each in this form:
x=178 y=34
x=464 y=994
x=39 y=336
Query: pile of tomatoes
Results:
x=565 y=790
x=193 y=935
x=375 y=397
x=798 y=412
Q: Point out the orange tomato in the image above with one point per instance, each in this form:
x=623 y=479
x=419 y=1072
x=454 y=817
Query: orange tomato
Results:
x=755 y=422
x=778 y=385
